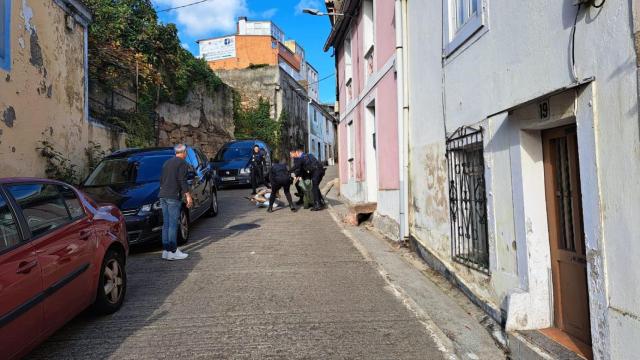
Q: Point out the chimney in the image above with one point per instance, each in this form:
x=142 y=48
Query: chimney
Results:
x=242 y=25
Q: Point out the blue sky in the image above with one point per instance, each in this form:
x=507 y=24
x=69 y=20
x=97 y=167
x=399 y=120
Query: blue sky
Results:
x=218 y=17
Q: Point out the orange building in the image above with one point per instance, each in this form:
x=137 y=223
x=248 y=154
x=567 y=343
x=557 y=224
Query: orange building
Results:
x=256 y=43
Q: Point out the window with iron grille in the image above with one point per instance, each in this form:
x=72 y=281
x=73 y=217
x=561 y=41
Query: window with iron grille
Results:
x=467 y=198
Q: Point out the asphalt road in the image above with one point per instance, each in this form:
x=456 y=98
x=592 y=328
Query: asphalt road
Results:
x=256 y=285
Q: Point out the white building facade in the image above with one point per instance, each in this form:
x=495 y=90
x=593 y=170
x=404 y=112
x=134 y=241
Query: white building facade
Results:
x=322 y=139
x=524 y=161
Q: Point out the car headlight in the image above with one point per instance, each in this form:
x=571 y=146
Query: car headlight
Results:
x=145 y=209
x=245 y=171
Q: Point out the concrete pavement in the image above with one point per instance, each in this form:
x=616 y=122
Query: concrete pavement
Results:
x=256 y=285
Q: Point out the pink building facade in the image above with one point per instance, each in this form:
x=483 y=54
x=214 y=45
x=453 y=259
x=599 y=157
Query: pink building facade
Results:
x=367 y=94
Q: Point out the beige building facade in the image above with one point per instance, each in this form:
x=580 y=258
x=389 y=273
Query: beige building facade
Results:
x=43 y=86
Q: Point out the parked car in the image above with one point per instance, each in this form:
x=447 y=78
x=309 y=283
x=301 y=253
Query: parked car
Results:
x=232 y=161
x=130 y=179
x=60 y=252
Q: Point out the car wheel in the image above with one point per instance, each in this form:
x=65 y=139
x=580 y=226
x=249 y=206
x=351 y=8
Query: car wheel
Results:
x=213 y=210
x=183 y=227
x=112 y=284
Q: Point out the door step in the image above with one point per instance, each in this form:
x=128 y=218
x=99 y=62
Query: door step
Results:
x=545 y=344
x=358 y=212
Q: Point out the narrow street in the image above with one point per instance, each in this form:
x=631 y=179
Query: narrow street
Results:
x=256 y=285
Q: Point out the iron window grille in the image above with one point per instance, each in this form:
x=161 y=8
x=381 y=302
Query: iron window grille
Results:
x=467 y=198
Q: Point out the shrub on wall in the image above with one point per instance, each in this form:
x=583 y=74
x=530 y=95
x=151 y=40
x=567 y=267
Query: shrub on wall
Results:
x=130 y=50
x=256 y=123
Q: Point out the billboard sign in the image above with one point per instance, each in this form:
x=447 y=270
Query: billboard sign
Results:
x=218 y=49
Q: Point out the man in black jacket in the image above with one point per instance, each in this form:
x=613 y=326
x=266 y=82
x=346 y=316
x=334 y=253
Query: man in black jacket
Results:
x=173 y=185
x=280 y=177
x=308 y=165
x=256 y=164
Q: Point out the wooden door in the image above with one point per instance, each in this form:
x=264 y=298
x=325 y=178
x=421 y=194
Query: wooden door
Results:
x=566 y=233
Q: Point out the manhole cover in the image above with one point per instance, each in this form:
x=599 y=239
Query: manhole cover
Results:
x=244 y=227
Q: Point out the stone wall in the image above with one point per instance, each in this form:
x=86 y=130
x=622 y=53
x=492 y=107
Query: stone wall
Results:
x=205 y=120
x=282 y=91
x=253 y=84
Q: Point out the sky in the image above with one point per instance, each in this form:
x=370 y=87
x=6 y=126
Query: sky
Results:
x=213 y=18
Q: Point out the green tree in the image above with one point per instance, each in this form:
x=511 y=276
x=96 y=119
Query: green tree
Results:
x=128 y=46
x=256 y=123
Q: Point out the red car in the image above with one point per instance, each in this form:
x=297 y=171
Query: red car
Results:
x=60 y=252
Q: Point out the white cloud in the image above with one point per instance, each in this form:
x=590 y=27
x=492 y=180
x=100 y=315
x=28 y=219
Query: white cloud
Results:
x=304 y=4
x=206 y=18
x=268 y=14
x=185 y=46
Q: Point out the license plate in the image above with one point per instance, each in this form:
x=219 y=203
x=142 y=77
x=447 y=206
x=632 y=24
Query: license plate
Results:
x=228 y=178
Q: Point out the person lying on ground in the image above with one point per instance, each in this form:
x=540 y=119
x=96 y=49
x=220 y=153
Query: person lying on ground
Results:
x=262 y=197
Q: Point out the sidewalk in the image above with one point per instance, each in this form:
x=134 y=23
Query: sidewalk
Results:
x=453 y=322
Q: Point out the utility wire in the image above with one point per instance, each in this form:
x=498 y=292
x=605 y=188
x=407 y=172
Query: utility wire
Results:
x=324 y=78
x=182 y=6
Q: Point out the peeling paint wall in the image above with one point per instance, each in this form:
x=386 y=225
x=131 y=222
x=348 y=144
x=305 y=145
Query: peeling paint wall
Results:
x=523 y=55
x=43 y=95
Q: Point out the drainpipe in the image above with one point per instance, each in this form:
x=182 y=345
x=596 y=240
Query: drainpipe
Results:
x=402 y=128
x=405 y=116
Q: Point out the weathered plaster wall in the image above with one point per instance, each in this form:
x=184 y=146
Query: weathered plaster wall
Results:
x=43 y=95
x=253 y=84
x=205 y=120
x=523 y=54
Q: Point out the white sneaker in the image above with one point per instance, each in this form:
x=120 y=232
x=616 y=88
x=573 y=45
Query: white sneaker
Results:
x=177 y=255
x=181 y=254
x=165 y=254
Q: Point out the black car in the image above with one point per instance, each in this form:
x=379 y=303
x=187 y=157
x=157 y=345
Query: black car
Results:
x=130 y=179
x=232 y=161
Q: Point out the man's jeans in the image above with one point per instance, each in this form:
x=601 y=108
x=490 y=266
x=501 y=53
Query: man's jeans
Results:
x=170 y=220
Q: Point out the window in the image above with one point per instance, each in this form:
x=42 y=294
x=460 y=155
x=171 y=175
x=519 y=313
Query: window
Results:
x=42 y=206
x=9 y=236
x=348 y=66
x=368 y=37
x=369 y=26
x=467 y=199
x=71 y=200
x=5 y=43
x=464 y=18
x=127 y=171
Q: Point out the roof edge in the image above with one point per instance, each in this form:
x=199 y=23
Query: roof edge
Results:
x=343 y=23
x=80 y=11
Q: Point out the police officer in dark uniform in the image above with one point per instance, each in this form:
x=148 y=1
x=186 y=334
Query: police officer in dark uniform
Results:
x=301 y=175
x=309 y=165
x=280 y=177
x=256 y=165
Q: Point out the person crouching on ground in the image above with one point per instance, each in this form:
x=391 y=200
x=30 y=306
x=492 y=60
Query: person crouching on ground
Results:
x=173 y=185
x=280 y=177
x=311 y=166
